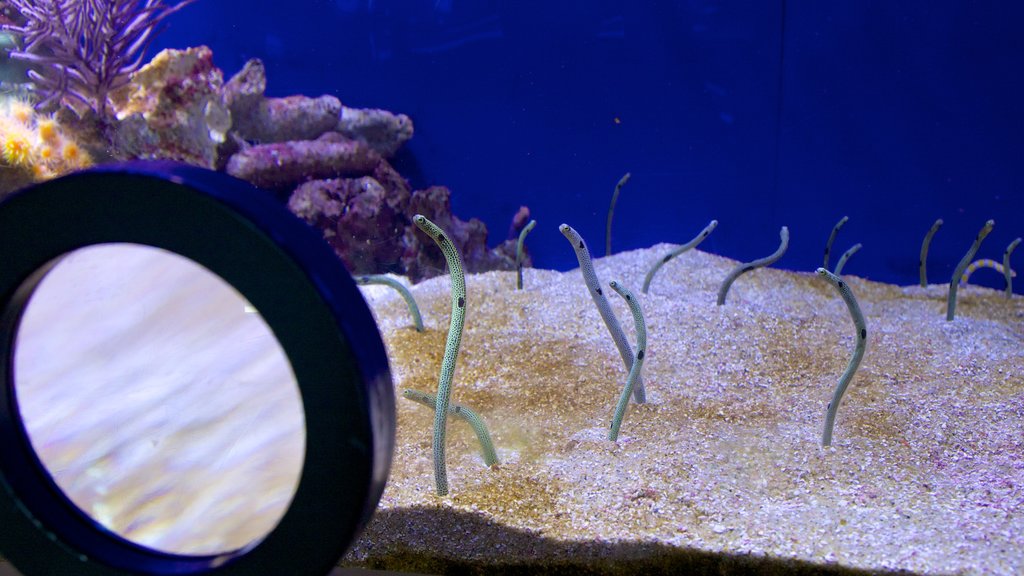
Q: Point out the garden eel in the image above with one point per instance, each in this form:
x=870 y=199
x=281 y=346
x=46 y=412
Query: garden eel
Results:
x=691 y=244
x=984 y=263
x=451 y=347
x=742 y=268
x=858 y=353
x=611 y=209
x=388 y=281
x=634 y=371
x=962 y=266
x=846 y=256
x=1007 y=271
x=594 y=286
x=519 y=253
x=465 y=413
x=832 y=238
x=924 y=251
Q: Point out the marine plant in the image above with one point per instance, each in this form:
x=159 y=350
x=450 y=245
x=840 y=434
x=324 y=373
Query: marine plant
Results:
x=85 y=49
x=924 y=251
x=962 y=266
x=465 y=413
x=611 y=211
x=451 y=347
x=1007 y=271
x=691 y=244
x=641 y=350
x=723 y=290
x=385 y=280
x=832 y=238
x=519 y=252
x=858 y=352
x=846 y=256
x=597 y=295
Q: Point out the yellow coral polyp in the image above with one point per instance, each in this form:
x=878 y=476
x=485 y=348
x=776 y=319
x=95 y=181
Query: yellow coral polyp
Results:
x=41 y=172
x=36 y=145
x=48 y=130
x=73 y=155
x=17 y=150
x=21 y=111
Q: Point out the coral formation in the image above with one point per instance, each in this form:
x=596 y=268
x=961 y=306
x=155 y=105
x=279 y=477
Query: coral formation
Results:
x=351 y=210
x=34 y=147
x=381 y=130
x=329 y=161
x=171 y=109
x=470 y=237
x=282 y=165
x=289 y=119
x=85 y=49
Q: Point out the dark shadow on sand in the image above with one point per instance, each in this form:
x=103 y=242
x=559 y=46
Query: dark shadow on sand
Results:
x=492 y=545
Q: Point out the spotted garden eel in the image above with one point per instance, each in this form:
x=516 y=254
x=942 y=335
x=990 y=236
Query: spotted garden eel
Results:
x=743 y=268
x=924 y=251
x=962 y=267
x=641 y=350
x=832 y=238
x=858 y=353
x=691 y=244
x=1007 y=271
x=519 y=253
x=398 y=286
x=451 y=347
x=594 y=286
x=846 y=256
x=611 y=211
x=465 y=413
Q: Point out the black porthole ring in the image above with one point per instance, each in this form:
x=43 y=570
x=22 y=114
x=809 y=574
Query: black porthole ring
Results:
x=306 y=297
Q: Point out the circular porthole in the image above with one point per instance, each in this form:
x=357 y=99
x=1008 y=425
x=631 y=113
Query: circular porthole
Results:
x=191 y=382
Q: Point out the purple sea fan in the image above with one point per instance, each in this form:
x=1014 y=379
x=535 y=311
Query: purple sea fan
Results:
x=85 y=49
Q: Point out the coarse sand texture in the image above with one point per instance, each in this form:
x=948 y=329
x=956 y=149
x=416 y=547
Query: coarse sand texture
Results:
x=722 y=469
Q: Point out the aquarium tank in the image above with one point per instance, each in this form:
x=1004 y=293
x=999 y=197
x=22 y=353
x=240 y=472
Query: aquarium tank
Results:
x=668 y=285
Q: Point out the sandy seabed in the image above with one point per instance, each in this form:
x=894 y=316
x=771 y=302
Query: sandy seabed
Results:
x=723 y=469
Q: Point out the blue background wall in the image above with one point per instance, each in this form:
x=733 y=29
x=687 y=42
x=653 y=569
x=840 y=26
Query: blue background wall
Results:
x=759 y=114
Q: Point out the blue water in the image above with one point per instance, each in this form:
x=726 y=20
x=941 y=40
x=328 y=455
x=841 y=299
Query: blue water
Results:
x=758 y=114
